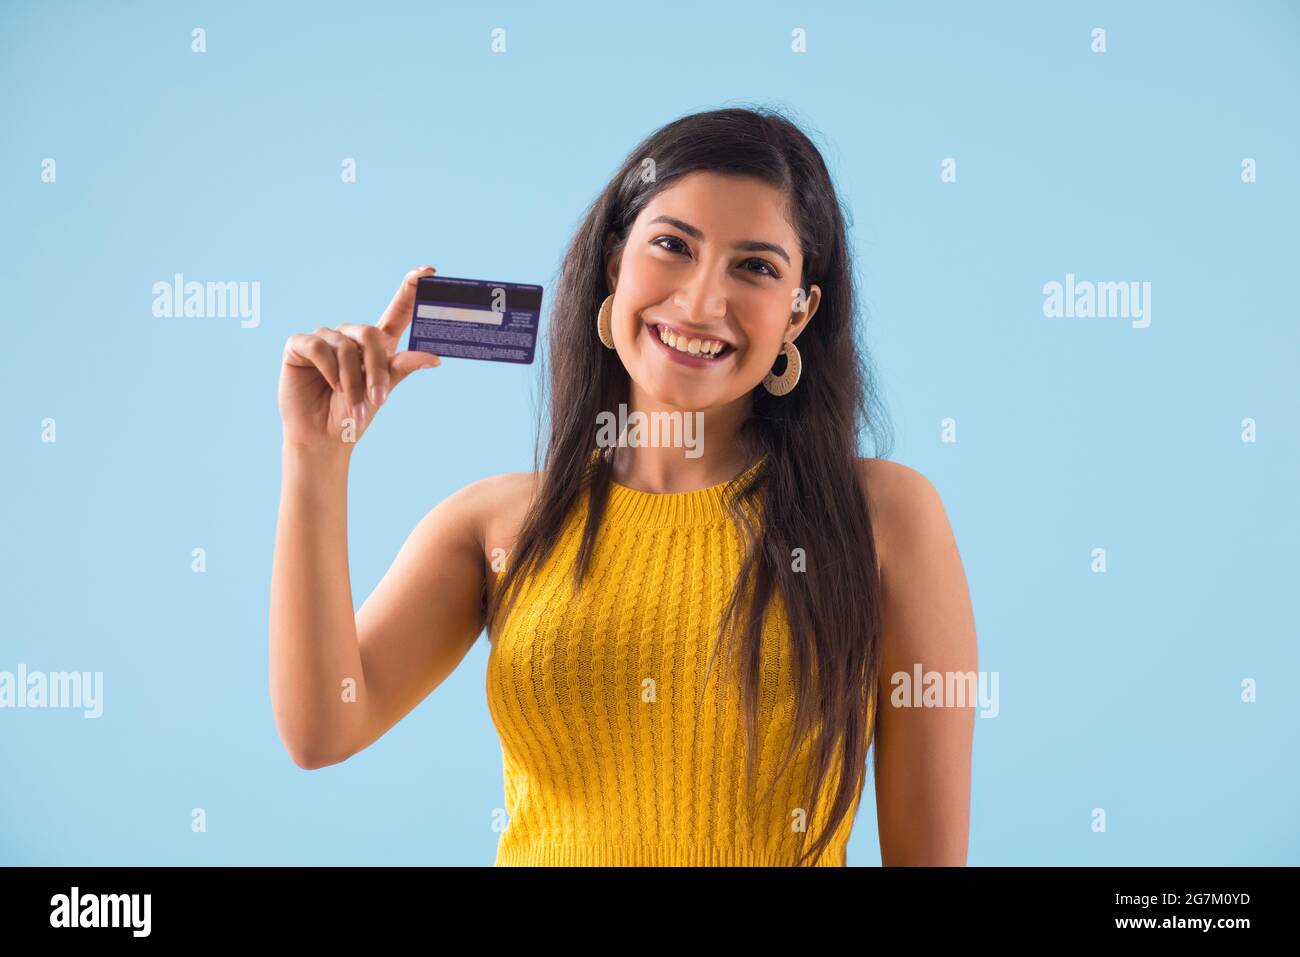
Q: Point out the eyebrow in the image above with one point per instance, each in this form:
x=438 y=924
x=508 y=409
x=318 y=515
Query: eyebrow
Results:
x=748 y=245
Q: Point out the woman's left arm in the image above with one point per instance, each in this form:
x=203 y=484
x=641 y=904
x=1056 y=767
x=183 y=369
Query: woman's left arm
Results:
x=923 y=753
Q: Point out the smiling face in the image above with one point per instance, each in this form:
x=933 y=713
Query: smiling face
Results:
x=704 y=291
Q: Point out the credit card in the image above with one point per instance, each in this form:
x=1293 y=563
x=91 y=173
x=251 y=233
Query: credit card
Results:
x=476 y=319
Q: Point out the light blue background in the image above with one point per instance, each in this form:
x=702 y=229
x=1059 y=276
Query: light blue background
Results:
x=1119 y=691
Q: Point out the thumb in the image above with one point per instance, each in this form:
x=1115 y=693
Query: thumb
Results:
x=404 y=363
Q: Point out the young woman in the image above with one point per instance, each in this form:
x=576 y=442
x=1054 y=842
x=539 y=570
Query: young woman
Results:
x=614 y=579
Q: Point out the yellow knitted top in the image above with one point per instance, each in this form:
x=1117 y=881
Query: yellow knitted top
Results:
x=594 y=696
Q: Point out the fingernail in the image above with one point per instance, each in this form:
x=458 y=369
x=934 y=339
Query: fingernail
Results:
x=358 y=412
x=377 y=394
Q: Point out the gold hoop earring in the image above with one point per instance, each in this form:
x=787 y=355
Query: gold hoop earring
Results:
x=605 y=322
x=784 y=383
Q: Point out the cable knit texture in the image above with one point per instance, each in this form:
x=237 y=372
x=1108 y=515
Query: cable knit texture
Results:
x=594 y=696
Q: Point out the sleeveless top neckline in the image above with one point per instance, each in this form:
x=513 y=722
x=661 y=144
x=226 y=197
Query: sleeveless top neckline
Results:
x=630 y=506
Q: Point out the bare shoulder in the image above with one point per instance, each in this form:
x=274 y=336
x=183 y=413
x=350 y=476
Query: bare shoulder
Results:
x=903 y=504
x=498 y=504
x=894 y=484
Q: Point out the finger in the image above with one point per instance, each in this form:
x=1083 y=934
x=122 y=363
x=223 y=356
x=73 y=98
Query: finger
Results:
x=309 y=350
x=376 y=347
x=398 y=314
x=404 y=363
x=351 y=372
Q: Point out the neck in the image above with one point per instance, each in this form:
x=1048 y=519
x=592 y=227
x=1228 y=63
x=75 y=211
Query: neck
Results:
x=679 y=450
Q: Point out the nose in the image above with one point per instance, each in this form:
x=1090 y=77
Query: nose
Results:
x=701 y=300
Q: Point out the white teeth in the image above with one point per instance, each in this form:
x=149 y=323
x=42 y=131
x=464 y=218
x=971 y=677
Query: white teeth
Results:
x=695 y=347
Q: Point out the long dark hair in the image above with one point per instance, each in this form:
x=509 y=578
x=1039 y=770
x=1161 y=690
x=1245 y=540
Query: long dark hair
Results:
x=809 y=482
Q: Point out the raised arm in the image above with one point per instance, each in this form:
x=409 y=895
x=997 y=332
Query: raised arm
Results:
x=339 y=680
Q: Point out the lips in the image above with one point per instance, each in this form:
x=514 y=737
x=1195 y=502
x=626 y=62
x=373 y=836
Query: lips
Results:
x=662 y=331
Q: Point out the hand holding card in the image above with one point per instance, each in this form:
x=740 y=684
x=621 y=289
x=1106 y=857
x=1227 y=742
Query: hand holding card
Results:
x=333 y=380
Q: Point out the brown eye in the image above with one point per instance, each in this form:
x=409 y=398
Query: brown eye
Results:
x=672 y=239
x=766 y=265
